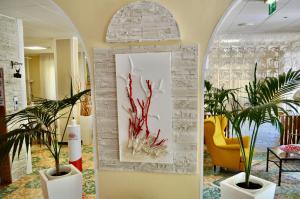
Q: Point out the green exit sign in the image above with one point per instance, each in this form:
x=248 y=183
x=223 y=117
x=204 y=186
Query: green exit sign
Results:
x=272 y=7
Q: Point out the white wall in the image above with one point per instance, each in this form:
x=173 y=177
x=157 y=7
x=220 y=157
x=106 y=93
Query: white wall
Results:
x=11 y=49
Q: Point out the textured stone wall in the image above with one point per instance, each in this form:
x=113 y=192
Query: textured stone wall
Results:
x=142 y=21
x=9 y=51
x=185 y=115
x=231 y=64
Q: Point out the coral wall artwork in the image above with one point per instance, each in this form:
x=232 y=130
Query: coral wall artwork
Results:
x=144 y=107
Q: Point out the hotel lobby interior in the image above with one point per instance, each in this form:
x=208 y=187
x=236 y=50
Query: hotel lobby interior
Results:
x=149 y=99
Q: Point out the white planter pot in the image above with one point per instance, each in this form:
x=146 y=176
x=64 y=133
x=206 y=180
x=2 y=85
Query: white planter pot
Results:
x=62 y=187
x=230 y=190
x=86 y=129
x=63 y=168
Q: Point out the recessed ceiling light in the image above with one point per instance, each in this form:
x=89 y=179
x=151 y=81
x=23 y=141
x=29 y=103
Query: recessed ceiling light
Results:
x=246 y=24
x=230 y=40
x=35 y=48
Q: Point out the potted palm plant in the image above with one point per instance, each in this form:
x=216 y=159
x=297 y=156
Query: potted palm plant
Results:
x=39 y=122
x=266 y=99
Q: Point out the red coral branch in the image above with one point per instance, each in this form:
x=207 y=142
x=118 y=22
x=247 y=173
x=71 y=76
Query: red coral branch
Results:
x=148 y=103
x=160 y=143
x=136 y=122
x=157 y=135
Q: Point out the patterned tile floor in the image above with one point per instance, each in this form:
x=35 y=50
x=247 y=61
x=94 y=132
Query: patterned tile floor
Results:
x=28 y=187
x=289 y=188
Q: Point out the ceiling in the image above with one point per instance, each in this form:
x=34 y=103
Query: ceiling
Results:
x=255 y=13
x=42 y=22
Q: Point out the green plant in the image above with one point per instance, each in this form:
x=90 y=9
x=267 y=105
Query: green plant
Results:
x=39 y=123
x=221 y=101
x=217 y=101
x=267 y=98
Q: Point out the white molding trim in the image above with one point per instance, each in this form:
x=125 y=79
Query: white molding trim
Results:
x=234 y=4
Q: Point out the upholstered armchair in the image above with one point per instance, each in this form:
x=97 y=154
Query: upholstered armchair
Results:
x=224 y=152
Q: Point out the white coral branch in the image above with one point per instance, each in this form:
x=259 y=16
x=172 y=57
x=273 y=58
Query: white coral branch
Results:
x=160 y=87
x=131 y=65
x=126 y=109
x=123 y=78
x=155 y=116
x=142 y=85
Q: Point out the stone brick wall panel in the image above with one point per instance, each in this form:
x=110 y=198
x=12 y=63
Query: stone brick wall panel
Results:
x=9 y=51
x=185 y=112
x=142 y=21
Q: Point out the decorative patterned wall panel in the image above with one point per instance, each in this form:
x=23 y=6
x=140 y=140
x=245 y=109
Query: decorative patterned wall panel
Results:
x=142 y=21
x=184 y=76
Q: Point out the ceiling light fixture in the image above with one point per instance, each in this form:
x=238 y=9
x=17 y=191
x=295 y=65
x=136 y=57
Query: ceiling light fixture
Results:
x=270 y=1
x=35 y=48
x=246 y=24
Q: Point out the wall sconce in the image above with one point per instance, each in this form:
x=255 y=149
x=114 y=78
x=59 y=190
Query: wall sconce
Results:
x=16 y=65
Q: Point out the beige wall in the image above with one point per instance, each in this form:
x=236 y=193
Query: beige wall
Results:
x=42 y=72
x=196 y=20
x=62 y=57
x=47 y=73
x=34 y=75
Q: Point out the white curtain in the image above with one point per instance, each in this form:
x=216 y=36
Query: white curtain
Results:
x=47 y=72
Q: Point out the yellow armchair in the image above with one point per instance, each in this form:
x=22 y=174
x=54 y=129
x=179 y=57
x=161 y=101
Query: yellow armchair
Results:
x=225 y=152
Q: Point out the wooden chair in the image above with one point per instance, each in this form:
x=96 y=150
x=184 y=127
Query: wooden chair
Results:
x=291 y=134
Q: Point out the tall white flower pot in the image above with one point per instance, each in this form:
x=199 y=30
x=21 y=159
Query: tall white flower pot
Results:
x=62 y=187
x=229 y=189
x=86 y=129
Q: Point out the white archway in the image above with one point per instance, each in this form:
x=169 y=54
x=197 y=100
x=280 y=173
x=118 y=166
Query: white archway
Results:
x=234 y=4
x=95 y=157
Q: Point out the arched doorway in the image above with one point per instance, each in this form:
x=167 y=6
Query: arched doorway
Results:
x=269 y=47
x=48 y=33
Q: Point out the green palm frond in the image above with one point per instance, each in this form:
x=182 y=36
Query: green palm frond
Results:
x=14 y=140
x=216 y=100
x=36 y=123
x=267 y=98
